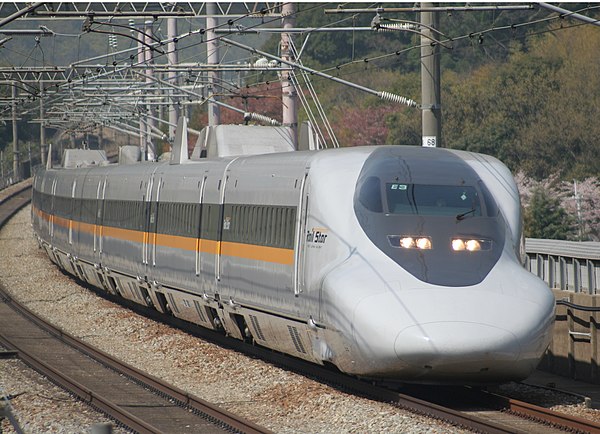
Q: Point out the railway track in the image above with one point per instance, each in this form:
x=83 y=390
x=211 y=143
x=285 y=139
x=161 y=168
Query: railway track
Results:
x=132 y=398
x=477 y=410
x=494 y=415
x=518 y=416
x=13 y=198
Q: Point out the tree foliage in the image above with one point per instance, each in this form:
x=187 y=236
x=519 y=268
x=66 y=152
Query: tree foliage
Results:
x=545 y=218
x=580 y=199
x=536 y=112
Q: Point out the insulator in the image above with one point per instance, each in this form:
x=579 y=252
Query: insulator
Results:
x=392 y=27
x=260 y=118
x=261 y=63
x=396 y=98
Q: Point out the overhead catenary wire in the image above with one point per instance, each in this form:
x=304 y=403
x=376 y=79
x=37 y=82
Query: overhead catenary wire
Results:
x=383 y=95
x=471 y=35
x=317 y=102
x=397 y=52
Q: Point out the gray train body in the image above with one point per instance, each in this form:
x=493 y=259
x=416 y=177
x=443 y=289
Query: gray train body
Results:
x=393 y=262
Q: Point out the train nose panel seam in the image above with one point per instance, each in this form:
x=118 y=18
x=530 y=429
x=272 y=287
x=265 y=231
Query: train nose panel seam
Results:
x=434 y=345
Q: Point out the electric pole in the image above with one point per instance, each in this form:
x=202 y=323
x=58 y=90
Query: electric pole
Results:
x=149 y=59
x=289 y=97
x=430 y=80
x=212 y=54
x=16 y=172
x=142 y=126
x=42 y=126
x=172 y=58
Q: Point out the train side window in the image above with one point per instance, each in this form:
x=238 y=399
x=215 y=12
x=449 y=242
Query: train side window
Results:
x=237 y=223
x=250 y=227
x=241 y=224
x=255 y=225
x=169 y=218
x=267 y=225
x=284 y=213
x=185 y=218
x=260 y=221
x=188 y=219
x=191 y=223
x=370 y=194
x=292 y=227
x=179 y=222
x=230 y=212
x=160 y=213
x=270 y=225
x=268 y=222
x=246 y=221
x=278 y=226
x=289 y=224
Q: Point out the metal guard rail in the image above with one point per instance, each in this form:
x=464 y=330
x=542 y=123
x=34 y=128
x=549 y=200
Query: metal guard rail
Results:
x=567 y=265
x=578 y=306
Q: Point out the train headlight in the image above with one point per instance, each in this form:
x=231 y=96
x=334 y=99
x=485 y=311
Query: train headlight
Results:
x=407 y=242
x=458 y=245
x=473 y=245
x=423 y=243
x=470 y=244
x=410 y=242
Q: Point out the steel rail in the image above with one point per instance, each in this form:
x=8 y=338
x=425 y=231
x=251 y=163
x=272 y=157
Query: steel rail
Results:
x=552 y=417
x=12 y=201
x=196 y=404
x=86 y=395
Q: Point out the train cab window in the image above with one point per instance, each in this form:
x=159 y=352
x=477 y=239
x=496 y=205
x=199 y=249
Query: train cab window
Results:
x=370 y=194
x=423 y=199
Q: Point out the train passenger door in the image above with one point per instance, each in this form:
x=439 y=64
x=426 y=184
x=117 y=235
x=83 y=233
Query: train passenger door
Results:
x=72 y=213
x=150 y=200
x=51 y=224
x=98 y=220
x=300 y=238
x=199 y=241
x=152 y=230
x=150 y=224
x=221 y=224
x=208 y=237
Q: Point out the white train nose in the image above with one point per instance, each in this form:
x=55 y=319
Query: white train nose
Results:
x=460 y=346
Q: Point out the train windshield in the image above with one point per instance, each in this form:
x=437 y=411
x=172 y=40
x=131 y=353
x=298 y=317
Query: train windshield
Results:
x=421 y=199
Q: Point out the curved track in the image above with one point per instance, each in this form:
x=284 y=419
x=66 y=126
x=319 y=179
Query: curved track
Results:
x=13 y=198
x=475 y=410
x=132 y=398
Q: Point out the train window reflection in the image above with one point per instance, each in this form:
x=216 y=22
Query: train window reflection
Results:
x=432 y=199
x=370 y=194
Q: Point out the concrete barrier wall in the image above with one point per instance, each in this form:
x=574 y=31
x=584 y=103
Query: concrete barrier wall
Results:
x=574 y=351
x=573 y=270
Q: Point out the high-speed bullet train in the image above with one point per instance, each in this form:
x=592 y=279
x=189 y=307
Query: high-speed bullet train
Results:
x=393 y=262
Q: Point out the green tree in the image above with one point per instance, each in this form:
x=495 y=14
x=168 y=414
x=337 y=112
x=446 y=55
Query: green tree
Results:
x=536 y=111
x=545 y=218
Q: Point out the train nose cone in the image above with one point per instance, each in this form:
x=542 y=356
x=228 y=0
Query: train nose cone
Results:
x=456 y=345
